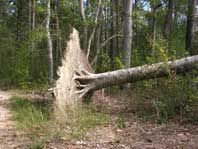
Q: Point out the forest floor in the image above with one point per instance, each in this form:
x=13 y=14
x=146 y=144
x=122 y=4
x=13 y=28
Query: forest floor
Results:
x=123 y=131
x=126 y=131
x=10 y=138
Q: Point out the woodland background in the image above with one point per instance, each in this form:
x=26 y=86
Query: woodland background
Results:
x=33 y=35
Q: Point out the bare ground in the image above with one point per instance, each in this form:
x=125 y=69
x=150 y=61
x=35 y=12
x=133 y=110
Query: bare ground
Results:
x=9 y=137
x=135 y=133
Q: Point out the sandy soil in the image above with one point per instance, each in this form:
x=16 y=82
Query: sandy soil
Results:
x=9 y=138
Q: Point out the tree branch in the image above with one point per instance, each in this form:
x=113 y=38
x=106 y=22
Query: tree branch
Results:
x=102 y=45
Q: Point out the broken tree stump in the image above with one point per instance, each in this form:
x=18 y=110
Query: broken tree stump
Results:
x=64 y=90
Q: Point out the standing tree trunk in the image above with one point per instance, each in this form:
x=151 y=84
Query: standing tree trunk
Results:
x=33 y=14
x=94 y=28
x=32 y=22
x=169 y=19
x=30 y=14
x=59 y=53
x=128 y=5
x=49 y=43
x=85 y=27
x=30 y=47
x=113 y=47
x=155 y=7
x=190 y=26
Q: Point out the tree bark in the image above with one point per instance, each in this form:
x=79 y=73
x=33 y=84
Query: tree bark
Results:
x=49 y=43
x=127 y=41
x=30 y=14
x=32 y=23
x=59 y=52
x=94 y=28
x=33 y=14
x=155 y=7
x=169 y=19
x=113 y=48
x=85 y=27
x=87 y=82
x=190 y=26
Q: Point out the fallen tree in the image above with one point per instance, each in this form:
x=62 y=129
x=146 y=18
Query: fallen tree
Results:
x=87 y=82
x=76 y=78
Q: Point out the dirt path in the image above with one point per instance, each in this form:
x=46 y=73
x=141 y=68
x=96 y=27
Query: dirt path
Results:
x=9 y=138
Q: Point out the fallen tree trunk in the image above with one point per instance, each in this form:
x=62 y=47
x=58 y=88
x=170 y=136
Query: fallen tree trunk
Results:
x=87 y=82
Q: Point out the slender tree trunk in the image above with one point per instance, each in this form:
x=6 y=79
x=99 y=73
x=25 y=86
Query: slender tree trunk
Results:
x=155 y=7
x=128 y=5
x=85 y=27
x=30 y=46
x=49 y=43
x=117 y=25
x=97 y=39
x=88 y=82
x=113 y=47
x=106 y=25
x=176 y=12
x=190 y=26
x=33 y=14
x=154 y=25
x=30 y=14
x=32 y=22
x=169 y=19
x=94 y=28
x=59 y=53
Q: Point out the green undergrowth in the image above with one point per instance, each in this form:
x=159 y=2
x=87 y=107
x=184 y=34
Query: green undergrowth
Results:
x=86 y=118
x=37 y=121
x=161 y=100
x=28 y=113
x=32 y=118
x=165 y=100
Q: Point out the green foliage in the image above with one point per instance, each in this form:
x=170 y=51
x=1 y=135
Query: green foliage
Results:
x=103 y=63
x=169 y=99
x=32 y=117
x=37 y=145
x=121 y=121
x=118 y=63
x=161 y=111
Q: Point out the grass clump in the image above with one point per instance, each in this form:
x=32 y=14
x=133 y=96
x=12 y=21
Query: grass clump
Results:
x=84 y=119
x=33 y=118
x=29 y=114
